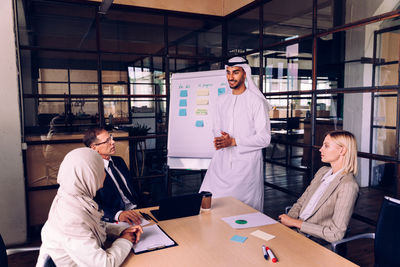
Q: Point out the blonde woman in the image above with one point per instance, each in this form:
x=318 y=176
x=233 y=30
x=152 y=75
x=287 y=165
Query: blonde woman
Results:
x=325 y=208
x=74 y=234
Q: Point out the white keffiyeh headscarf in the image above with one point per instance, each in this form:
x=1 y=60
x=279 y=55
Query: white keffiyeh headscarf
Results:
x=243 y=63
x=81 y=174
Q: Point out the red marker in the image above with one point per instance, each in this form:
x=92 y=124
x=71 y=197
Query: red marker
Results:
x=271 y=255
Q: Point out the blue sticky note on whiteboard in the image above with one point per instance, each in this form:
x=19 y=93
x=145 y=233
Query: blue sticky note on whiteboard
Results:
x=182 y=112
x=183 y=93
x=183 y=103
x=238 y=238
x=221 y=91
x=199 y=123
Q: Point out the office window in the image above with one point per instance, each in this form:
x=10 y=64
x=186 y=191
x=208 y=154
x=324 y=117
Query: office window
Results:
x=141 y=83
x=387 y=56
x=357 y=10
x=192 y=65
x=384 y=123
x=194 y=37
x=134 y=32
x=48 y=85
x=286 y=19
x=243 y=32
x=54 y=24
x=288 y=68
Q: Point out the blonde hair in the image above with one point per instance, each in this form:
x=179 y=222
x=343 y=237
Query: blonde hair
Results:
x=347 y=140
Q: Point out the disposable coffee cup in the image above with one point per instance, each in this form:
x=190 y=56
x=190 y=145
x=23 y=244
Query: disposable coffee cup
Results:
x=206 y=202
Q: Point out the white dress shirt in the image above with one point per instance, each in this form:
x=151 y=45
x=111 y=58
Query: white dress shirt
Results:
x=325 y=181
x=128 y=204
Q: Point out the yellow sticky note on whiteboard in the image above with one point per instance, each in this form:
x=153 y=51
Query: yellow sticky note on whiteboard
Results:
x=203 y=92
x=202 y=111
x=262 y=235
x=202 y=101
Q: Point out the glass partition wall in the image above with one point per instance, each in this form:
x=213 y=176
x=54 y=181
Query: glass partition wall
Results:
x=320 y=66
x=81 y=69
x=324 y=69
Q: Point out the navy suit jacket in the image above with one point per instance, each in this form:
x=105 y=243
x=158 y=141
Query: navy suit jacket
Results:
x=108 y=197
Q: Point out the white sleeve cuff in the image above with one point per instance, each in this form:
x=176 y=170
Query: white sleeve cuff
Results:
x=117 y=215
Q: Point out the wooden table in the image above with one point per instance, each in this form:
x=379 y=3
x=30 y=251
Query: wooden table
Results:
x=204 y=240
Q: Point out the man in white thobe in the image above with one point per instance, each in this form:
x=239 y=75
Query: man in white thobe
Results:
x=241 y=130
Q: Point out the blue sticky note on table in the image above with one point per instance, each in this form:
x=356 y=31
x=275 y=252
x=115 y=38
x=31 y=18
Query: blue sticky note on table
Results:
x=183 y=93
x=182 y=112
x=238 y=238
x=199 y=123
x=221 y=91
x=183 y=103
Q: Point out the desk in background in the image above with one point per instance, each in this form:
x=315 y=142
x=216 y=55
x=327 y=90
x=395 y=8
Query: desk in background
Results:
x=204 y=240
x=285 y=136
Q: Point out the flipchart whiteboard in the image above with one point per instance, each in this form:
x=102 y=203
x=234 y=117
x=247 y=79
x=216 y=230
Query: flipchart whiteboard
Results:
x=192 y=107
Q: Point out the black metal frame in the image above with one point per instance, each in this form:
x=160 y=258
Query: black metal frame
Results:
x=396 y=93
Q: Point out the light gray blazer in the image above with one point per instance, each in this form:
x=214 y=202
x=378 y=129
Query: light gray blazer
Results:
x=332 y=214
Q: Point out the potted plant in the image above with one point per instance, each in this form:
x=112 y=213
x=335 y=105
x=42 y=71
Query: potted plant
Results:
x=139 y=144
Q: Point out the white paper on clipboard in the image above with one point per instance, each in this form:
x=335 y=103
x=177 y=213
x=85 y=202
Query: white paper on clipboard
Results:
x=152 y=238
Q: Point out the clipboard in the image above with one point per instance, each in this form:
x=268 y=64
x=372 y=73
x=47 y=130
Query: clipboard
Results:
x=153 y=238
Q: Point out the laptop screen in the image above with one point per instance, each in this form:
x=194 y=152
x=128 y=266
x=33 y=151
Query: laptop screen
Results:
x=178 y=207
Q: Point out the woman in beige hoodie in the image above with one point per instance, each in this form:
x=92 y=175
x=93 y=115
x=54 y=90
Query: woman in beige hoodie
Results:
x=74 y=234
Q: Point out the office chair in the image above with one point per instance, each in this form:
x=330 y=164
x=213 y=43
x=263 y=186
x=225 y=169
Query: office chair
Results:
x=3 y=254
x=292 y=123
x=340 y=249
x=387 y=234
x=6 y=252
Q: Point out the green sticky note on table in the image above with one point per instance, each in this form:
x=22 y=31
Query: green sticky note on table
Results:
x=182 y=112
x=238 y=238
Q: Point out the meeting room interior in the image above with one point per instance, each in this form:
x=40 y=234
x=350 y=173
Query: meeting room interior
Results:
x=72 y=65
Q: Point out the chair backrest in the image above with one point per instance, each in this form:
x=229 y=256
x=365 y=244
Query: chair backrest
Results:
x=49 y=262
x=293 y=123
x=387 y=236
x=3 y=253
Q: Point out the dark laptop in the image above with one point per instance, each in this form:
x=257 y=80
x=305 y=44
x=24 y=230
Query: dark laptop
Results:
x=178 y=207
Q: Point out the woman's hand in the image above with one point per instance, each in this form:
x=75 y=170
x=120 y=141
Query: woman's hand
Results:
x=289 y=221
x=132 y=233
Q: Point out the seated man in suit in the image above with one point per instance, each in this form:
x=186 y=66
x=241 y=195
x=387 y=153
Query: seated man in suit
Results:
x=117 y=198
x=325 y=208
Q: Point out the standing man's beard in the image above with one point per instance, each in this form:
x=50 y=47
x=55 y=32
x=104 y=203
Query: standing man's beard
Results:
x=235 y=86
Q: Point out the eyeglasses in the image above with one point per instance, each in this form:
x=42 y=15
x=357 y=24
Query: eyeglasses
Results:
x=108 y=140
